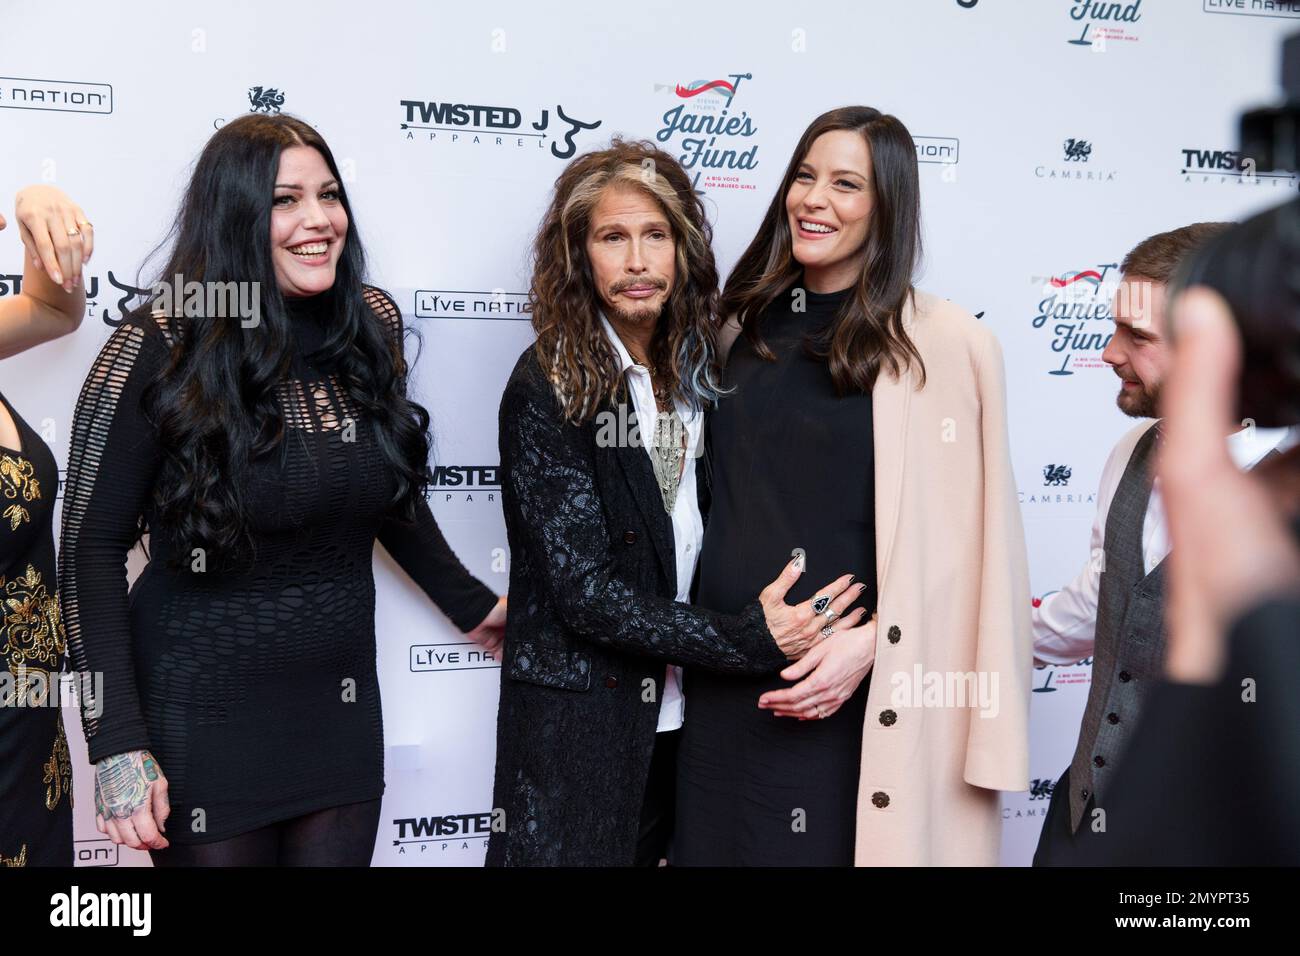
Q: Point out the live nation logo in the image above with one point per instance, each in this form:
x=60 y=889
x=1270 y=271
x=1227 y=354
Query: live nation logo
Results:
x=456 y=656
x=943 y=150
x=491 y=304
x=59 y=96
x=1075 y=164
x=1075 y=311
x=1280 y=9
x=475 y=124
x=714 y=139
x=1099 y=23
x=1228 y=166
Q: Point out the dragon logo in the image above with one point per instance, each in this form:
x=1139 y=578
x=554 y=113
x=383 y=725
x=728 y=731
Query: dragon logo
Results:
x=1077 y=150
x=1056 y=475
x=1040 y=789
x=265 y=101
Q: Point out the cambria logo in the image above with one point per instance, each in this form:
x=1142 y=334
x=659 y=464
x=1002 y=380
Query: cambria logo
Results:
x=1056 y=475
x=1077 y=150
x=265 y=100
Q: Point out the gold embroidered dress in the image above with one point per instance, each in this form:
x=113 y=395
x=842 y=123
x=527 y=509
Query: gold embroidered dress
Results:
x=35 y=772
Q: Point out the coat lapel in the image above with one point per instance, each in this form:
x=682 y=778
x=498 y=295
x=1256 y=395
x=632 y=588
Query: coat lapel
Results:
x=890 y=401
x=635 y=464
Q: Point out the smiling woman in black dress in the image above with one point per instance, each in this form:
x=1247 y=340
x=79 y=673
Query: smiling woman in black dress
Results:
x=35 y=772
x=265 y=455
x=793 y=457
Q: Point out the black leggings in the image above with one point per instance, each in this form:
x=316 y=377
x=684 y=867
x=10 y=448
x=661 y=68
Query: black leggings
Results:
x=335 y=836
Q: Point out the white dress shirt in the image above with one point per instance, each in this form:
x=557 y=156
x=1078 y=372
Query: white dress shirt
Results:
x=1065 y=622
x=688 y=525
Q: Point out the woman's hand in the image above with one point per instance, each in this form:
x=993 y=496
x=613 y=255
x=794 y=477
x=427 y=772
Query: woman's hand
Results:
x=56 y=233
x=831 y=672
x=492 y=631
x=798 y=627
x=131 y=800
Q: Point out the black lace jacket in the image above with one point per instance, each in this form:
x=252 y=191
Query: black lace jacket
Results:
x=592 y=623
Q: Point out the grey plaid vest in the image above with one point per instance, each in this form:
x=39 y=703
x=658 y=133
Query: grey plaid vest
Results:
x=1130 y=642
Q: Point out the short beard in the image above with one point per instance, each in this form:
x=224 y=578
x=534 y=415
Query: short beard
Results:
x=1145 y=404
x=636 y=318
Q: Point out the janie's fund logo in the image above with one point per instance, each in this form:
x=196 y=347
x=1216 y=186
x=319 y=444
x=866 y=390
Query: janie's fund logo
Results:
x=1099 y=23
x=1075 y=310
x=714 y=139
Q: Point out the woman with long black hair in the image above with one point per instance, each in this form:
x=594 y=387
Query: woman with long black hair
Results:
x=867 y=426
x=257 y=427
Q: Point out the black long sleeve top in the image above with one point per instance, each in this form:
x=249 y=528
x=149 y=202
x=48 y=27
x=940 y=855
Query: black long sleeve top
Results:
x=255 y=688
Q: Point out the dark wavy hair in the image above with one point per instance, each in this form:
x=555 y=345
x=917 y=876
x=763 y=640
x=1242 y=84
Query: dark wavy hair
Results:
x=571 y=346
x=868 y=333
x=215 y=406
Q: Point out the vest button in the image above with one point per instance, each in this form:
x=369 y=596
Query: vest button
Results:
x=611 y=682
x=629 y=537
x=880 y=799
x=1113 y=718
x=895 y=635
x=1084 y=793
x=888 y=718
x=1099 y=760
x=1125 y=676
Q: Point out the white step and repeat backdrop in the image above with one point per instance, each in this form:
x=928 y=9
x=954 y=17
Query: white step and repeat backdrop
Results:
x=1053 y=135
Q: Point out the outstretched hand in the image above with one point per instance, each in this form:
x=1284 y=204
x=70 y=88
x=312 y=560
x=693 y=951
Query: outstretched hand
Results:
x=492 y=630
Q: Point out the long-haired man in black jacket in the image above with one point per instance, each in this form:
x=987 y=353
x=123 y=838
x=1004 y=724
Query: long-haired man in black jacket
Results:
x=600 y=427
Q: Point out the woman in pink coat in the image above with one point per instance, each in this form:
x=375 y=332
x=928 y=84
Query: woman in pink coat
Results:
x=867 y=428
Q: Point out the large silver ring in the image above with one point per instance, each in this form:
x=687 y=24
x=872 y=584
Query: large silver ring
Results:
x=820 y=603
x=827 y=631
x=831 y=614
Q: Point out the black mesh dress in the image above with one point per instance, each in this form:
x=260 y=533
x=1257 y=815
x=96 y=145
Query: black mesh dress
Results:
x=255 y=689
x=35 y=772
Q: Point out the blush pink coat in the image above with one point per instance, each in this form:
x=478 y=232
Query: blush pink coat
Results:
x=954 y=604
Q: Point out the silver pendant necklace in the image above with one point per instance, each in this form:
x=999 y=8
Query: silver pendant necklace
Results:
x=667 y=454
x=667 y=441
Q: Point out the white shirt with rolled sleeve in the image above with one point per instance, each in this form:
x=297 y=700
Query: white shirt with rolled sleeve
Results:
x=688 y=524
x=1065 y=622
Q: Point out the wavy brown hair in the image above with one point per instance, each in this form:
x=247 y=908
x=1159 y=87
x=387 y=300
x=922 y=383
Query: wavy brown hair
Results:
x=868 y=333
x=571 y=343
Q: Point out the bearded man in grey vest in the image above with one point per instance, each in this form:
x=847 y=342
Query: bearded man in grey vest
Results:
x=1114 y=610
